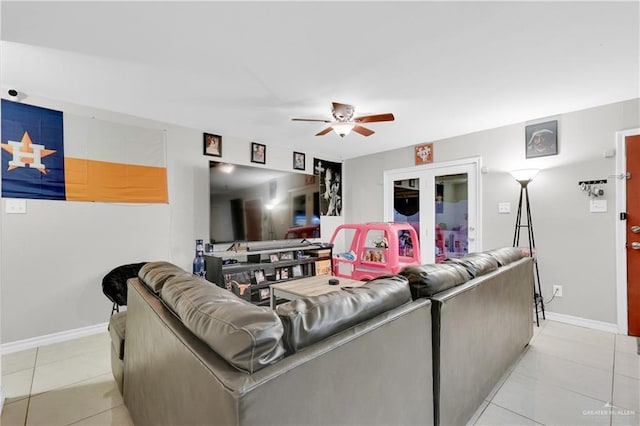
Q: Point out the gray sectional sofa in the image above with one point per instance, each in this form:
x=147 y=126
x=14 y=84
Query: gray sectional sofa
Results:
x=197 y=354
x=424 y=347
x=480 y=325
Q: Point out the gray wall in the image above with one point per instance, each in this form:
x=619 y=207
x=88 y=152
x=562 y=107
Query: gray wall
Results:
x=55 y=255
x=576 y=248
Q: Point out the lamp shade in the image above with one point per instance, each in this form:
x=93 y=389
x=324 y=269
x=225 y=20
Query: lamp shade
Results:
x=524 y=175
x=342 y=128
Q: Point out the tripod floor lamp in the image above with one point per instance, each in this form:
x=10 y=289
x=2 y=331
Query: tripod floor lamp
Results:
x=524 y=177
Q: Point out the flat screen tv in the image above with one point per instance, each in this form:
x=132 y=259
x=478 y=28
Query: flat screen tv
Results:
x=258 y=204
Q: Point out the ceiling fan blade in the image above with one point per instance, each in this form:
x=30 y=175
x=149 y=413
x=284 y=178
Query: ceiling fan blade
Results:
x=310 y=119
x=325 y=131
x=362 y=130
x=374 y=118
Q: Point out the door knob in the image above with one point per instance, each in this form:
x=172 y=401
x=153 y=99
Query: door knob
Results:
x=635 y=245
x=635 y=229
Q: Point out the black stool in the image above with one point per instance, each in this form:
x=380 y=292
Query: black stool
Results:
x=114 y=284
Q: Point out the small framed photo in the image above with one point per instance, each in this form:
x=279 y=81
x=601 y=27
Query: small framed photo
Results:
x=284 y=274
x=258 y=153
x=264 y=293
x=299 y=161
x=296 y=271
x=273 y=257
x=212 y=145
x=423 y=154
x=541 y=139
x=288 y=255
x=259 y=274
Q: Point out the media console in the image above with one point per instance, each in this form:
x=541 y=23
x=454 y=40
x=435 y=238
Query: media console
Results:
x=250 y=272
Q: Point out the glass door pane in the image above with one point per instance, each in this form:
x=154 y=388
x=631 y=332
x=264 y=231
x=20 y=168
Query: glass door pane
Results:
x=441 y=202
x=406 y=202
x=451 y=216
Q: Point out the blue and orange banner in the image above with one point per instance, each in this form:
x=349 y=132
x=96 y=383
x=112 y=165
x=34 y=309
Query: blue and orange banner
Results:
x=87 y=160
x=32 y=152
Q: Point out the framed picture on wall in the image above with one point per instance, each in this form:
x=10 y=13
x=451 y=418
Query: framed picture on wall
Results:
x=212 y=145
x=423 y=154
x=541 y=139
x=299 y=161
x=258 y=153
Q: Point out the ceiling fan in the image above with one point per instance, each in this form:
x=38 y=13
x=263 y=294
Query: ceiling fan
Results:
x=344 y=121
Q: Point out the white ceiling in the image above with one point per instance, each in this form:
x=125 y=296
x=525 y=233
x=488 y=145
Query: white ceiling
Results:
x=244 y=69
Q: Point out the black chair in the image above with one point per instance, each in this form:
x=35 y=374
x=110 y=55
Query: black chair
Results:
x=114 y=284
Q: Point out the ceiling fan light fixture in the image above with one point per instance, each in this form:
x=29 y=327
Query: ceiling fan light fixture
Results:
x=342 y=128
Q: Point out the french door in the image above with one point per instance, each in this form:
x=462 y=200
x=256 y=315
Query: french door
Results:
x=441 y=202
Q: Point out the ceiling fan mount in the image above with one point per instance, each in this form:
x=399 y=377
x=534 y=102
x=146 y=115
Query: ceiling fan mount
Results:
x=342 y=112
x=344 y=121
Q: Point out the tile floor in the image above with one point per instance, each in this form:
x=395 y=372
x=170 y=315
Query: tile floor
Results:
x=567 y=376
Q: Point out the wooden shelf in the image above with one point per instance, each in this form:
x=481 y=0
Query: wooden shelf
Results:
x=259 y=260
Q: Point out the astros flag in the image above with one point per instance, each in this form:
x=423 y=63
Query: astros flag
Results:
x=87 y=160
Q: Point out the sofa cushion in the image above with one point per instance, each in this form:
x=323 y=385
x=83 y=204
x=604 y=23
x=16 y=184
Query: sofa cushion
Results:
x=117 y=327
x=427 y=280
x=477 y=264
x=311 y=319
x=247 y=336
x=155 y=274
x=506 y=255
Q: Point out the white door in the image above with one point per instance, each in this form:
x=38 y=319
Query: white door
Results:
x=441 y=202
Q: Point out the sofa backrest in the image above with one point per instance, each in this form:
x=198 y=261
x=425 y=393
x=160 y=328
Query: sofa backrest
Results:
x=428 y=280
x=506 y=255
x=247 y=336
x=311 y=319
x=477 y=264
x=251 y=337
x=155 y=274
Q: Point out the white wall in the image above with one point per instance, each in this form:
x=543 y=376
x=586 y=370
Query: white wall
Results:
x=575 y=247
x=55 y=255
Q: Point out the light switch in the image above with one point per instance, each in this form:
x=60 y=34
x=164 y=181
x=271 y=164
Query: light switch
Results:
x=598 y=206
x=15 y=206
x=504 y=208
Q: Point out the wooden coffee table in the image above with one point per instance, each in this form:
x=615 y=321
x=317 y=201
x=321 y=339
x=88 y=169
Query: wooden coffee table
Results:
x=310 y=286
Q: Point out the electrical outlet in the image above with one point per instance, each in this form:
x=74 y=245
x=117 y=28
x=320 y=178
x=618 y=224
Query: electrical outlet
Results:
x=504 y=208
x=15 y=206
x=557 y=290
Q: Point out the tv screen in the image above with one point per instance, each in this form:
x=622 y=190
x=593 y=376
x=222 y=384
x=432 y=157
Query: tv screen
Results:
x=258 y=204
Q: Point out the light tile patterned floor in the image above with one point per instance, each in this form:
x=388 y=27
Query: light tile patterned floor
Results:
x=68 y=383
x=567 y=376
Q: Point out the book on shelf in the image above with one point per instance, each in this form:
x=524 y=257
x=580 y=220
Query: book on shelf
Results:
x=321 y=252
x=323 y=267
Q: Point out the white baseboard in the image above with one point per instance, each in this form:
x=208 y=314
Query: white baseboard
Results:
x=582 y=322
x=48 y=339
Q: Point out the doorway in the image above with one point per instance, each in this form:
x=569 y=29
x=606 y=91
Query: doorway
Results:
x=441 y=202
x=628 y=231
